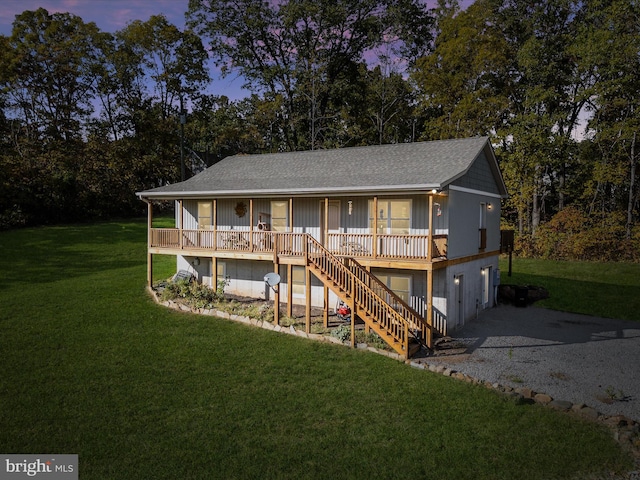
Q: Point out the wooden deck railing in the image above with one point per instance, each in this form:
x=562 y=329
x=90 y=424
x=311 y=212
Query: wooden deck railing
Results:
x=359 y=245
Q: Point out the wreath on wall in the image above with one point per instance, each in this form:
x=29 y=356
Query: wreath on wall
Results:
x=241 y=209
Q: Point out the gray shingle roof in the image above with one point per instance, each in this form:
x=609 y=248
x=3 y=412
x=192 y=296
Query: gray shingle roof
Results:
x=399 y=167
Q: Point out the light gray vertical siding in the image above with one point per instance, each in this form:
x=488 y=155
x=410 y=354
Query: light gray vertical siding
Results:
x=464 y=224
x=307 y=214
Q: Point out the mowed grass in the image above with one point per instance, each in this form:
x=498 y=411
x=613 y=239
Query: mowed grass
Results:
x=610 y=290
x=91 y=366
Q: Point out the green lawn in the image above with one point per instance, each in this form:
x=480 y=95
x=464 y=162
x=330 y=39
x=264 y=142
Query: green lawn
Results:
x=610 y=290
x=90 y=365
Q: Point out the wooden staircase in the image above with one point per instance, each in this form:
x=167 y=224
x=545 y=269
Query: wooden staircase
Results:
x=401 y=327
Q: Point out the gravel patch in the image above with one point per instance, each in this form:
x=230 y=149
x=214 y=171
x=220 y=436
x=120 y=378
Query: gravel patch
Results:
x=570 y=357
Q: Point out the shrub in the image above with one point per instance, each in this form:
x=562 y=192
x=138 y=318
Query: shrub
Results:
x=342 y=333
x=193 y=293
x=573 y=235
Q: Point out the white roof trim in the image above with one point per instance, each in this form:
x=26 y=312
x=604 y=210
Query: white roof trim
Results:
x=475 y=192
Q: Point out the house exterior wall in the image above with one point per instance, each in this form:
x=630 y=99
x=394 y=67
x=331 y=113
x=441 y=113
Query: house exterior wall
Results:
x=479 y=177
x=307 y=214
x=464 y=223
x=471 y=288
x=459 y=291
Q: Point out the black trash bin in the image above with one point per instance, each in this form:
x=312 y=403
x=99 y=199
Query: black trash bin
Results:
x=522 y=295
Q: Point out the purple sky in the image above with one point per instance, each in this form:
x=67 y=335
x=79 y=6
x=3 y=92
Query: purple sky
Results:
x=109 y=15
x=113 y=15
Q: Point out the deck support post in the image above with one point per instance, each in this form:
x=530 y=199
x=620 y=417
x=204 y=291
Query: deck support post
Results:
x=307 y=294
x=181 y=224
x=149 y=255
x=214 y=273
x=149 y=269
x=325 y=230
x=289 y=290
x=352 y=306
x=251 y=224
x=325 y=315
x=276 y=294
x=429 y=311
x=215 y=225
x=375 y=227
x=430 y=237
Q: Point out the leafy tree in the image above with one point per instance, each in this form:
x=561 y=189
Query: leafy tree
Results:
x=303 y=53
x=50 y=75
x=612 y=49
x=463 y=84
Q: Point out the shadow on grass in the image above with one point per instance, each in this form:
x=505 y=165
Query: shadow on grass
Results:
x=588 y=297
x=44 y=255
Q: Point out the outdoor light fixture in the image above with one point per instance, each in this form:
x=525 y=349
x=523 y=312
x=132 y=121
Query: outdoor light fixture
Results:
x=434 y=191
x=456 y=280
x=489 y=206
x=482 y=271
x=196 y=261
x=350 y=207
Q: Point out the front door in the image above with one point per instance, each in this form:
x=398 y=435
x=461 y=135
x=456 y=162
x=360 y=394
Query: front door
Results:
x=486 y=286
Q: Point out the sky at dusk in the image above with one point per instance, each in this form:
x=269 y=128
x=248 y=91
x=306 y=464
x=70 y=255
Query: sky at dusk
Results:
x=109 y=15
x=113 y=15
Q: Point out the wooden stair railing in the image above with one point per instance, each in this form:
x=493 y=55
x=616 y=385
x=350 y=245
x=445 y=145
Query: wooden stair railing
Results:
x=418 y=326
x=377 y=313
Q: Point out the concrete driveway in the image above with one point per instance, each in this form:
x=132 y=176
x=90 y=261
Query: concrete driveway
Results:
x=578 y=358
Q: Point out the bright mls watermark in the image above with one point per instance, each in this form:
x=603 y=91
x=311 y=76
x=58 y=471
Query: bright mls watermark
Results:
x=50 y=467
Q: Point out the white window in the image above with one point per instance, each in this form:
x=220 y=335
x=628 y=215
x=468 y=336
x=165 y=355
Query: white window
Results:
x=204 y=215
x=393 y=216
x=398 y=284
x=298 y=281
x=221 y=270
x=279 y=215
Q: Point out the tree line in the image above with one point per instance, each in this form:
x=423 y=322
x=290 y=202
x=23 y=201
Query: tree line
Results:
x=88 y=117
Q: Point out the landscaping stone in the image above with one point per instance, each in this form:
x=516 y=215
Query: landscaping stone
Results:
x=562 y=405
x=542 y=398
x=525 y=392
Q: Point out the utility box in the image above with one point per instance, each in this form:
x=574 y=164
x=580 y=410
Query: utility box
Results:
x=522 y=296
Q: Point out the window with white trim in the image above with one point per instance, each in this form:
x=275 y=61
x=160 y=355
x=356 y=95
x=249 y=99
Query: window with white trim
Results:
x=393 y=216
x=297 y=280
x=204 y=215
x=398 y=284
x=279 y=215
